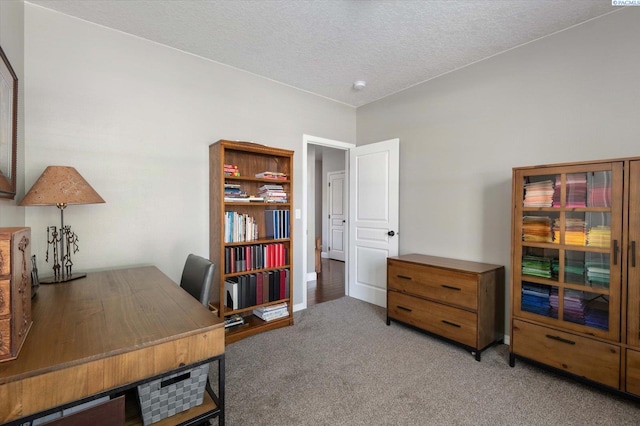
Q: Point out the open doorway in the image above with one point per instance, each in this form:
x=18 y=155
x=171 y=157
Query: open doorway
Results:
x=324 y=156
x=371 y=234
x=329 y=283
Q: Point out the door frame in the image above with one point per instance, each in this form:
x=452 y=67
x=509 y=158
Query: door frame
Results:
x=346 y=147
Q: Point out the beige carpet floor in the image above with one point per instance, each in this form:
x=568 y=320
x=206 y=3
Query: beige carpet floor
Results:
x=340 y=364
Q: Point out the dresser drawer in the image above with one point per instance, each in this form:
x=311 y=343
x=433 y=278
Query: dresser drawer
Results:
x=5 y=257
x=5 y=336
x=443 y=285
x=633 y=372
x=5 y=297
x=455 y=324
x=574 y=354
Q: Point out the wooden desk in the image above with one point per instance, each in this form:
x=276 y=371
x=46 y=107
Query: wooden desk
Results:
x=107 y=333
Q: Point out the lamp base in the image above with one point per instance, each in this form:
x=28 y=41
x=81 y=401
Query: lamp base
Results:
x=61 y=279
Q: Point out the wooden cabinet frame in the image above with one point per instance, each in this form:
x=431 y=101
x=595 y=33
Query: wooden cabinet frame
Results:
x=251 y=159
x=605 y=357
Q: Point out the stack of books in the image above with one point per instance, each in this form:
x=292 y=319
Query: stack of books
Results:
x=538 y=194
x=273 y=312
x=271 y=175
x=233 y=192
x=233 y=320
x=273 y=193
x=599 y=236
x=231 y=170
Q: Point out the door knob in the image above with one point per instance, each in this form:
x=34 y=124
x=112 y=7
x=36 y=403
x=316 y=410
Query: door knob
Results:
x=391 y=233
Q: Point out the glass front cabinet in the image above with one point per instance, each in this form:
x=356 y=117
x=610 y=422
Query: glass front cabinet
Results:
x=575 y=285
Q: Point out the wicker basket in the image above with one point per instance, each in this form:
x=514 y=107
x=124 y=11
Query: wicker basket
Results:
x=172 y=394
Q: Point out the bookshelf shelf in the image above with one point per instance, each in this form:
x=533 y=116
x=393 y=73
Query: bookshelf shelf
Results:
x=254 y=325
x=242 y=242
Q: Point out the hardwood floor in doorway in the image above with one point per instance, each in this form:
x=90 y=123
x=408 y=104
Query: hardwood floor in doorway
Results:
x=329 y=285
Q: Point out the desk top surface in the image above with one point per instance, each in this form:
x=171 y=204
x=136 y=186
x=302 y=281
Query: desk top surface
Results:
x=105 y=314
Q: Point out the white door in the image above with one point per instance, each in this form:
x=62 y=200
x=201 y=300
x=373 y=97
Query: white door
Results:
x=373 y=218
x=337 y=217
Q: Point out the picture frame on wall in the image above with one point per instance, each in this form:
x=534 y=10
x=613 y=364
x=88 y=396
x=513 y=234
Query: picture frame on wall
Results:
x=8 y=127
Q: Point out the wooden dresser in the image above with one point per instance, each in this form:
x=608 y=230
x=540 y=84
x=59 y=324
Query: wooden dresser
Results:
x=15 y=290
x=458 y=300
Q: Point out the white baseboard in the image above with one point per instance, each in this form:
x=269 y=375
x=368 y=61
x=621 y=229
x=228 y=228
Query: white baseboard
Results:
x=299 y=307
x=312 y=276
x=324 y=254
x=507 y=340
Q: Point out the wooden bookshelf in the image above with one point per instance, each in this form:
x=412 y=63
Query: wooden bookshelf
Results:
x=250 y=159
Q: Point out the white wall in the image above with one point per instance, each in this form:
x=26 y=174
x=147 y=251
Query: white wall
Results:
x=569 y=97
x=136 y=119
x=12 y=42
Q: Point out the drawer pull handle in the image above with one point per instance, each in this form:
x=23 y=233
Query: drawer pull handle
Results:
x=405 y=309
x=451 y=323
x=633 y=254
x=451 y=288
x=560 y=339
x=404 y=277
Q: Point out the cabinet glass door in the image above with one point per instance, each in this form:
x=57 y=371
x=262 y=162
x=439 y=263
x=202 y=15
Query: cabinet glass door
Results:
x=568 y=260
x=633 y=259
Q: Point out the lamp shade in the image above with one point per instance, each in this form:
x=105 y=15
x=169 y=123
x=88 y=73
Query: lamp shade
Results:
x=60 y=185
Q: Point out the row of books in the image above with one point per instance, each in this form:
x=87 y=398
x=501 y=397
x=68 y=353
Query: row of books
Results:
x=276 y=224
x=255 y=256
x=538 y=194
x=599 y=236
x=535 y=299
x=272 y=312
x=576 y=190
x=536 y=229
x=249 y=290
x=537 y=266
x=575 y=231
x=239 y=227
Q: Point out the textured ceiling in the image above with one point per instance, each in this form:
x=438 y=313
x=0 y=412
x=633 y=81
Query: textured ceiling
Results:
x=323 y=46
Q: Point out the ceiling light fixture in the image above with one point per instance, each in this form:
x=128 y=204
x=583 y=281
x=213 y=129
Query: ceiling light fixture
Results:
x=359 y=85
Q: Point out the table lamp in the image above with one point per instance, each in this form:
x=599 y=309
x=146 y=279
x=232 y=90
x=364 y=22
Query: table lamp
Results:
x=60 y=186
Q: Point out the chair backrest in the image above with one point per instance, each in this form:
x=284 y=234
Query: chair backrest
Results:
x=197 y=277
x=35 y=281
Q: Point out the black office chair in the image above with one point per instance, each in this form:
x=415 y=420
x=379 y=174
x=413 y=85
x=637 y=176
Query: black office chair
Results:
x=197 y=277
